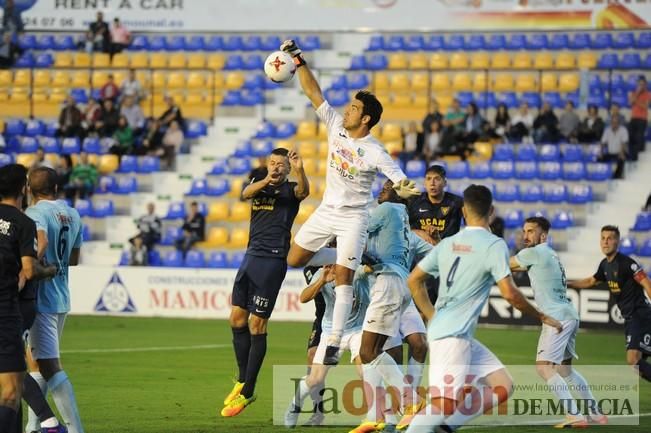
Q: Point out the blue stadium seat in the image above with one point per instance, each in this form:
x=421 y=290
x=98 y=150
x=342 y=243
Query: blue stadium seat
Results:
x=533 y=99
x=591 y=153
x=84 y=207
x=602 y=41
x=598 y=100
x=608 y=61
x=265 y=130
x=413 y=43
x=233 y=43
x=45 y=42
x=148 y=164
x=537 y=41
x=239 y=166
x=125 y=257
x=219 y=167
x=106 y=185
x=194 y=259
x=357 y=63
x=642 y=222
x=394 y=43
x=175 y=43
x=376 y=43
x=51 y=129
x=271 y=43
x=253 y=43
x=562 y=220
x=574 y=171
x=235 y=260
x=549 y=170
x=549 y=152
x=624 y=40
x=196 y=129
x=507 y=193
x=234 y=62
x=455 y=43
x=475 y=42
x=509 y=98
x=261 y=148
x=598 y=171
x=339 y=82
x=49 y=144
x=103 y=208
x=579 y=194
x=617 y=84
x=559 y=41
x=358 y=81
x=620 y=99
x=415 y=169
x=126 y=185
x=572 y=153
x=376 y=187
x=517 y=41
x=70 y=146
x=12 y=145
x=139 y=43
x=479 y=170
x=170 y=235
x=14 y=127
x=157 y=43
x=554 y=99
x=218 y=187
x=377 y=62
x=631 y=61
x=242 y=149
x=496 y=42
x=645 y=249
x=337 y=98
x=176 y=210
x=539 y=213
x=250 y=98
x=26 y=60
x=194 y=43
x=465 y=98
x=80 y=95
x=435 y=43
x=580 y=41
x=643 y=41
x=254 y=81
x=285 y=130
x=154 y=258
x=513 y=219
x=627 y=246
x=128 y=164
x=503 y=152
x=198 y=187
x=526 y=152
x=92 y=145
x=28 y=145
x=486 y=100
x=555 y=194
x=27 y=41
x=215 y=43
x=232 y=98
x=458 y=170
x=173 y=259
x=217 y=260
x=596 y=83
x=34 y=128
x=502 y=169
x=531 y=194
x=526 y=170
x=5 y=159
x=253 y=62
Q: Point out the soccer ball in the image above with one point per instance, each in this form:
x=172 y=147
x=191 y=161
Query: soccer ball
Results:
x=279 y=67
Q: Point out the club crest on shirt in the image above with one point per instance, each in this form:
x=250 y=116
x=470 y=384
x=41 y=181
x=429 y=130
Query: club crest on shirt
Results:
x=445 y=210
x=4 y=227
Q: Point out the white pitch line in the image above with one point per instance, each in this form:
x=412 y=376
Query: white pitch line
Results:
x=148 y=349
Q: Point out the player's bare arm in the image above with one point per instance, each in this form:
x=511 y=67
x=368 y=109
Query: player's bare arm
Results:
x=313 y=289
x=254 y=188
x=416 y=281
x=585 y=283
x=302 y=188
x=515 y=297
x=646 y=284
x=41 y=237
x=309 y=84
x=515 y=266
x=33 y=270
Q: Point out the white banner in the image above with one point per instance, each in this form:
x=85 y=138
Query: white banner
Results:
x=286 y=16
x=172 y=292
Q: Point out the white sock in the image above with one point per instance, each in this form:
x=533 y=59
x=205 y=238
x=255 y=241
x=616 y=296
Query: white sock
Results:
x=301 y=393
x=49 y=423
x=427 y=421
x=458 y=418
x=393 y=376
x=560 y=389
x=64 y=398
x=340 y=313
x=325 y=256
x=415 y=370
x=582 y=388
x=373 y=381
x=33 y=422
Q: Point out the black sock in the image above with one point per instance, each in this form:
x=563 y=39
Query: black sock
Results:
x=256 y=356
x=18 y=422
x=35 y=399
x=8 y=418
x=242 y=346
x=645 y=369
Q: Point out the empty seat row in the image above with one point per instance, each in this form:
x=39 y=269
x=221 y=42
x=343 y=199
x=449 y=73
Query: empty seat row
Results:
x=193 y=259
x=630 y=246
x=514 y=219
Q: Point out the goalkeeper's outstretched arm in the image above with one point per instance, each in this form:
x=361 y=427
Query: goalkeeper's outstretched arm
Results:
x=309 y=84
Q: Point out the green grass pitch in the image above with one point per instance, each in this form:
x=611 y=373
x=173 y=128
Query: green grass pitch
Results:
x=177 y=390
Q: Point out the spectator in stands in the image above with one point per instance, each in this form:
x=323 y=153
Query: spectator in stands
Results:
x=647 y=206
x=9 y=51
x=569 y=122
x=522 y=125
x=410 y=142
x=108 y=122
x=138 y=253
x=173 y=113
x=109 y=90
x=453 y=129
x=431 y=147
x=70 y=120
x=546 y=125
x=83 y=179
x=259 y=172
x=40 y=160
x=99 y=34
x=12 y=21
x=472 y=125
x=149 y=227
x=639 y=100
x=172 y=144
x=120 y=37
x=615 y=144
x=92 y=115
x=152 y=141
x=123 y=137
x=63 y=169
x=615 y=111
x=433 y=116
x=502 y=121
x=194 y=229
x=592 y=128
x=132 y=86
x=133 y=113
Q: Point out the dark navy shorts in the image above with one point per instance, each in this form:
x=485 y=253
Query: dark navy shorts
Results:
x=12 y=347
x=638 y=332
x=257 y=284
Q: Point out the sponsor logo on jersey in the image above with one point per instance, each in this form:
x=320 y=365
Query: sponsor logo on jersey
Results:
x=4 y=227
x=115 y=297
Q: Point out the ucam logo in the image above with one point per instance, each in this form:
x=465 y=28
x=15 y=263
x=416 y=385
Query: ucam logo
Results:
x=115 y=297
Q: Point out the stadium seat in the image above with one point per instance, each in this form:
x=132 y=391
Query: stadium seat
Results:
x=102 y=208
x=394 y=43
x=197 y=187
x=480 y=61
x=597 y=171
x=496 y=42
x=579 y=194
x=573 y=171
x=399 y=82
x=176 y=210
x=398 y=61
x=70 y=146
x=501 y=60
x=173 y=259
x=526 y=152
x=503 y=82
x=459 y=61
x=239 y=238
x=357 y=63
x=194 y=259
x=562 y=220
x=64 y=43
x=549 y=152
x=462 y=83
x=455 y=43
x=49 y=144
x=502 y=170
x=507 y=193
x=645 y=249
x=580 y=41
x=125 y=258
x=235 y=260
x=513 y=219
x=438 y=61
x=417 y=61
x=572 y=153
x=522 y=60
x=627 y=246
x=377 y=62
x=543 y=60
x=555 y=194
x=549 y=82
x=526 y=83
x=415 y=169
x=602 y=41
x=537 y=41
x=240 y=211
x=475 y=42
x=106 y=185
x=642 y=222
x=631 y=61
x=608 y=61
x=126 y=185
x=549 y=170
x=517 y=41
x=479 y=170
x=565 y=60
x=531 y=194
x=170 y=236
x=217 y=260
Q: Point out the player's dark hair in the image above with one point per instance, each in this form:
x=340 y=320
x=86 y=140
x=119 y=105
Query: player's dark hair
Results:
x=611 y=228
x=436 y=169
x=280 y=151
x=372 y=107
x=478 y=199
x=13 y=178
x=393 y=197
x=43 y=181
x=540 y=221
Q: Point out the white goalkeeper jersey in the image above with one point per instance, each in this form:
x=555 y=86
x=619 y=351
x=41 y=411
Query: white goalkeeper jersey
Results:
x=352 y=164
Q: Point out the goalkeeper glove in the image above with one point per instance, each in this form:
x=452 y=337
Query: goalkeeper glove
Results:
x=406 y=189
x=290 y=47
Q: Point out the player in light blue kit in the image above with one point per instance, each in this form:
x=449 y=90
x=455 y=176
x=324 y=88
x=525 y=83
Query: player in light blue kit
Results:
x=555 y=350
x=469 y=263
x=58 y=229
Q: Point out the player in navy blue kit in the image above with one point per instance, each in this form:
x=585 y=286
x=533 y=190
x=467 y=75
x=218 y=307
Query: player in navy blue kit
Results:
x=274 y=205
x=627 y=282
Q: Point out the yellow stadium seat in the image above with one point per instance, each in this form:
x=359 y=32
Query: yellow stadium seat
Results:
x=239 y=238
x=391 y=132
x=6 y=78
x=398 y=61
x=285 y=144
x=568 y=82
x=81 y=60
x=480 y=61
x=420 y=81
x=322 y=132
x=234 y=80
x=176 y=80
x=120 y=60
x=393 y=147
x=323 y=149
x=218 y=78
x=26 y=159
x=119 y=77
x=438 y=61
x=236 y=188
x=52 y=158
x=217 y=211
x=521 y=60
x=304 y=212
x=525 y=83
x=108 y=164
x=177 y=60
x=196 y=80
x=216 y=61
x=101 y=60
x=100 y=78
x=399 y=82
x=58 y=94
x=503 y=82
x=322 y=167
x=461 y=82
x=549 y=82
x=501 y=60
x=63 y=60
x=308 y=149
x=459 y=61
x=484 y=149
x=158 y=79
x=139 y=60
x=420 y=101
x=480 y=82
x=310 y=166
x=80 y=79
x=418 y=61
x=401 y=101
x=217 y=236
x=565 y=61
x=544 y=60
x=60 y=79
x=158 y=60
x=380 y=81
x=195 y=105
x=306 y=130
x=21 y=78
x=587 y=60
x=440 y=82
x=196 y=61
x=144 y=77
